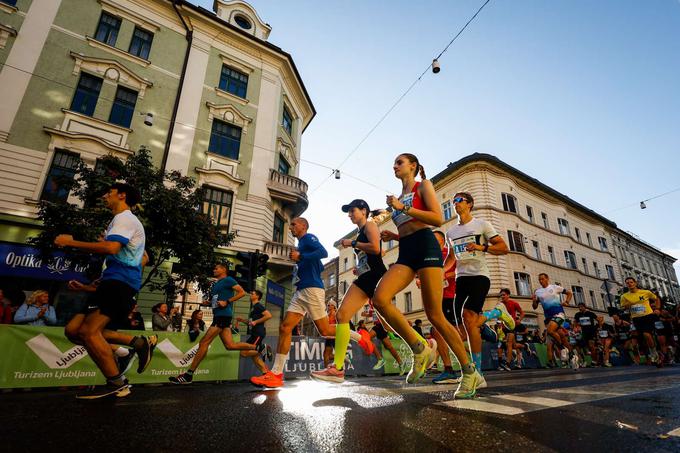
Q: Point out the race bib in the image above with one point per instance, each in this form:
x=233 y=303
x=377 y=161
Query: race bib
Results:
x=362 y=263
x=296 y=279
x=399 y=217
x=572 y=340
x=585 y=321
x=578 y=336
x=659 y=325
x=637 y=309
x=459 y=248
x=675 y=337
x=213 y=301
x=623 y=336
x=520 y=337
x=603 y=333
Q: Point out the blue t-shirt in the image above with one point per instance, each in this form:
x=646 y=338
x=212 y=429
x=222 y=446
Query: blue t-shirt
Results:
x=550 y=300
x=307 y=271
x=222 y=289
x=126 y=265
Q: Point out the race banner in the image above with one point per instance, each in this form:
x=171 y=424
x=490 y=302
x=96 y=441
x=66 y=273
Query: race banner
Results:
x=43 y=357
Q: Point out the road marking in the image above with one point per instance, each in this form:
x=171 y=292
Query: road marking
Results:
x=675 y=432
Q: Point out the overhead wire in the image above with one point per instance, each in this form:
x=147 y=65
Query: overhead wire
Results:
x=644 y=201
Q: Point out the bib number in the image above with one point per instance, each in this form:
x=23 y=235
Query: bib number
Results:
x=659 y=325
x=603 y=334
x=519 y=337
x=459 y=248
x=623 y=336
x=637 y=309
x=585 y=322
x=362 y=263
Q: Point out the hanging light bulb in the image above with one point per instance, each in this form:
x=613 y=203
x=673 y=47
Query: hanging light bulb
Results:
x=337 y=174
x=435 y=66
x=643 y=205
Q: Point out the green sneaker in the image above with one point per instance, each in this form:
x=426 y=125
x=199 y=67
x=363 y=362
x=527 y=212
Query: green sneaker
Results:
x=380 y=364
x=468 y=386
x=505 y=316
x=419 y=365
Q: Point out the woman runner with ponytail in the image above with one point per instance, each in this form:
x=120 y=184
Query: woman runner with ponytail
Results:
x=370 y=269
x=414 y=212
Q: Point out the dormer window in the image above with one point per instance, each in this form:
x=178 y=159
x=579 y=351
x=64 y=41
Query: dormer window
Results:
x=242 y=22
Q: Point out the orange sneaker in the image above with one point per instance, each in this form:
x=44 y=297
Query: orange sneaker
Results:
x=366 y=343
x=268 y=380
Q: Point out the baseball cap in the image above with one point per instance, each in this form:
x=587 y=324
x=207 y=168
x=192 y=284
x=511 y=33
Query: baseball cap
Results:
x=358 y=203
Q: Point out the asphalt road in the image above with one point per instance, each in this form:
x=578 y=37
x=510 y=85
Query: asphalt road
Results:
x=600 y=410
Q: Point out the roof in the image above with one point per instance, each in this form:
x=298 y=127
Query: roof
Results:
x=212 y=16
x=493 y=160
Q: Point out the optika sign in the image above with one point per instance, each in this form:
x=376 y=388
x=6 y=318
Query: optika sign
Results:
x=17 y=260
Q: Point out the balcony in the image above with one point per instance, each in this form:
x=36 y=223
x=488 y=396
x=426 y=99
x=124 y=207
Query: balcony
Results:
x=290 y=190
x=278 y=253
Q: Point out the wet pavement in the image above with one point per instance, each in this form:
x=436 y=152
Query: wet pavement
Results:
x=617 y=409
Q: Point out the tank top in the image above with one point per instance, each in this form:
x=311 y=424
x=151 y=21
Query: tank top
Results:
x=367 y=262
x=411 y=199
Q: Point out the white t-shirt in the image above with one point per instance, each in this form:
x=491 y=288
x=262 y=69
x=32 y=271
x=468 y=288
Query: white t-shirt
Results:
x=476 y=231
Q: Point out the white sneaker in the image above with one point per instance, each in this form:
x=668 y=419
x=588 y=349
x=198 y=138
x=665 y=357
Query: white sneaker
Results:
x=419 y=365
x=574 y=362
x=468 y=385
x=505 y=316
x=564 y=355
x=482 y=383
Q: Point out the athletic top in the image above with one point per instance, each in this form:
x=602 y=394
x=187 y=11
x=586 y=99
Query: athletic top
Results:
x=367 y=262
x=550 y=300
x=222 y=289
x=410 y=199
x=255 y=314
x=126 y=265
x=513 y=307
x=470 y=263
x=587 y=320
x=638 y=302
x=605 y=331
x=449 y=283
x=307 y=271
x=622 y=331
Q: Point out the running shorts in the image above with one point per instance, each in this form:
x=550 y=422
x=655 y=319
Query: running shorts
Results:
x=255 y=339
x=420 y=250
x=559 y=319
x=115 y=300
x=368 y=282
x=471 y=291
x=310 y=301
x=449 y=313
x=380 y=331
x=645 y=323
x=222 y=322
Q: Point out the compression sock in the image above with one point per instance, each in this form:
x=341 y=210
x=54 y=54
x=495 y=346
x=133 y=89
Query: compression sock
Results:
x=492 y=314
x=279 y=363
x=468 y=368
x=342 y=336
x=477 y=359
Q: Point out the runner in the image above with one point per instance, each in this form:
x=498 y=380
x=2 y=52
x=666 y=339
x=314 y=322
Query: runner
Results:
x=605 y=335
x=637 y=301
x=516 y=312
x=259 y=315
x=624 y=338
x=309 y=298
x=588 y=322
x=549 y=296
x=472 y=239
x=224 y=292
x=378 y=331
x=369 y=270
x=413 y=212
x=113 y=300
x=329 y=343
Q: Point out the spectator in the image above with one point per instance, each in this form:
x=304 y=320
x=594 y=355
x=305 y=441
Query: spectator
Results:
x=135 y=319
x=36 y=311
x=6 y=313
x=160 y=321
x=176 y=318
x=196 y=325
x=418 y=327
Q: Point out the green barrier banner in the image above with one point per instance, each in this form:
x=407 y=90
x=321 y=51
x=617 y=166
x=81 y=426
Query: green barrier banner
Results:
x=43 y=357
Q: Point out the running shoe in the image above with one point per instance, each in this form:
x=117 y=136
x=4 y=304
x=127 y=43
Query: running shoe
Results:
x=365 y=343
x=564 y=355
x=447 y=377
x=260 y=347
x=124 y=363
x=468 y=385
x=488 y=334
x=505 y=367
x=419 y=364
x=608 y=364
x=505 y=316
x=268 y=380
x=380 y=364
x=145 y=352
x=109 y=390
x=329 y=374
x=574 y=362
x=182 y=379
x=402 y=368
x=482 y=384
x=268 y=353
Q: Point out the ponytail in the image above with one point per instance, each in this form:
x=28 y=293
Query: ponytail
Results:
x=421 y=171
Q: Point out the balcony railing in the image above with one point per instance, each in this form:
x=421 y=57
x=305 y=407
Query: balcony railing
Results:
x=289 y=189
x=278 y=252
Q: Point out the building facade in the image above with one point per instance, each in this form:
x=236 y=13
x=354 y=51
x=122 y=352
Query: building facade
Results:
x=330 y=276
x=204 y=91
x=546 y=231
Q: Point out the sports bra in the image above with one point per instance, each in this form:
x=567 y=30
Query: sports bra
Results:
x=411 y=199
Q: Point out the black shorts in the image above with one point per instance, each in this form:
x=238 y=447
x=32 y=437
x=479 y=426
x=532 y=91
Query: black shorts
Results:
x=368 y=281
x=330 y=343
x=587 y=335
x=255 y=339
x=223 y=322
x=447 y=308
x=471 y=293
x=380 y=331
x=645 y=323
x=114 y=299
x=419 y=250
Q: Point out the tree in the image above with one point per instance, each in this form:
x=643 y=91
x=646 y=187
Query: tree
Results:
x=170 y=211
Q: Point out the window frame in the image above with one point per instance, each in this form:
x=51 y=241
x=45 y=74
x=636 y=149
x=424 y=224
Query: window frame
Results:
x=288 y=167
x=88 y=94
x=521 y=290
x=537 y=249
x=287 y=120
x=447 y=210
x=207 y=206
x=123 y=107
x=62 y=170
x=218 y=138
x=563 y=226
x=578 y=291
x=111 y=33
x=546 y=221
x=509 y=202
x=278 y=219
x=141 y=42
x=530 y=214
x=231 y=81
x=551 y=254
x=570 y=259
x=408 y=302
x=516 y=241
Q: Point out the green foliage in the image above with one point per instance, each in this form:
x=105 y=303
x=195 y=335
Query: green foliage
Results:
x=175 y=228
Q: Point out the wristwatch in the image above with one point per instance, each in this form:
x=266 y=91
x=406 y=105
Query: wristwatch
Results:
x=486 y=247
x=406 y=209
x=354 y=244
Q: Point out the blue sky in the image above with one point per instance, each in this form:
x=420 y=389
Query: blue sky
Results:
x=582 y=95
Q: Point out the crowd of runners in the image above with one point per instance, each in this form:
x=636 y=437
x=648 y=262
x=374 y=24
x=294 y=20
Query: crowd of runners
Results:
x=450 y=269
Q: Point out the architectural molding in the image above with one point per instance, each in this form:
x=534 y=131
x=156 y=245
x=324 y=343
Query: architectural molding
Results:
x=218 y=179
x=117 y=52
x=232 y=97
x=287 y=150
x=110 y=70
x=89 y=147
x=239 y=65
x=9 y=9
x=230 y=114
x=117 y=9
x=5 y=32
x=229 y=10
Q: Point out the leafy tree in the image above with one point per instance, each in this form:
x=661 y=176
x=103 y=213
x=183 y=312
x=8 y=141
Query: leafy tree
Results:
x=175 y=227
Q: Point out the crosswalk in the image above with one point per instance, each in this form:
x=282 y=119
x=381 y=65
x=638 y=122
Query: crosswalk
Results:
x=553 y=389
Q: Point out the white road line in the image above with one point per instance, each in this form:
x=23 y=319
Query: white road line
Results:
x=675 y=432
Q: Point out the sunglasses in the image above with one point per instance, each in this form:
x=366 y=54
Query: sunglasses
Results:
x=459 y=199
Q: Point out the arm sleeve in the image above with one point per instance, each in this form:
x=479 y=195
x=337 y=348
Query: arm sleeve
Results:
x=489 y=231
x=313 y=250
x=51 y=316
x=21 y=316
x=121 y=231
